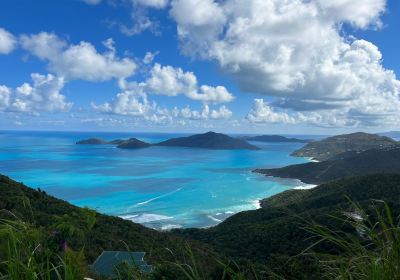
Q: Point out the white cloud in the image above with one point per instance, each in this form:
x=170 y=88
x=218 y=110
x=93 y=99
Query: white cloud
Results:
x=209 y=94
x=132 y=101
x=358 y=13
x=205 y=114
x=167 y=80
x=128 y=103
x=149 y=57
x=170 y=81
x=7 y=41
x=296 y=51
x=262 y=112
x=221 y=113
x=81 y=61
x=43 y=95
x=5 y=95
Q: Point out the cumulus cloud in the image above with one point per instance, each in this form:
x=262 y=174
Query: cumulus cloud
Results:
x=171 y=81
x=129 y=102
x=222 y=113
x=295 y=51
x=7 y=41
x=81 y=61
x=149 y=57
x=133 y=101
x=42 y=95
x=141 y=20
x=5 y=96
x=262 y=112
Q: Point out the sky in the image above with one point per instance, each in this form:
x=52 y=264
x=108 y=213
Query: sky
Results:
x=234 y=66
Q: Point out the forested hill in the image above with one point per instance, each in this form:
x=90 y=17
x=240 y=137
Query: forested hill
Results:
x=332 y=146
x=108 y=233
x=274 y=139
x=209 y=140
x=276 y=233
x=345 y=165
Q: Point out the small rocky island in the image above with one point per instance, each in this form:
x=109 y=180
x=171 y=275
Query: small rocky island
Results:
x=274 y=139
x=332 y=146
x=209 y=140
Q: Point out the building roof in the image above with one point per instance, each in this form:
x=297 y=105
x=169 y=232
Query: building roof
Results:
x=105 y=263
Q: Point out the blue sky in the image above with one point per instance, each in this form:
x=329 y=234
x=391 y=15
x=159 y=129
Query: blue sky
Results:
x=231 y=66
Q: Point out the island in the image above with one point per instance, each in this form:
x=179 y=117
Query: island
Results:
x=92 y=141
x=274 y=139
x=209 y=140
x=332 y=146
x=133 y=143
x=383 y=161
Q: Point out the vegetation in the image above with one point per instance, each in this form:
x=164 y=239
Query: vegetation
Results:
x=274 y=139
x=87 y=231
x=209 y=140
x=336 y=231
x=356 y=142
x=345 y=165
x=275 y=235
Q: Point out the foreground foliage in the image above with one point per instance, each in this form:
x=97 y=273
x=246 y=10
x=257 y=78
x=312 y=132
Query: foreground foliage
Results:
x=336 y=231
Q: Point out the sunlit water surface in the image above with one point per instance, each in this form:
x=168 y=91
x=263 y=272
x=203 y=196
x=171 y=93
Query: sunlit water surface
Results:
x=160 y=187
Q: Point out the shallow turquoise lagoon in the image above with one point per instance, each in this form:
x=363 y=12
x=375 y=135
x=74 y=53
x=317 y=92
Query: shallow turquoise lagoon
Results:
x=160 y=187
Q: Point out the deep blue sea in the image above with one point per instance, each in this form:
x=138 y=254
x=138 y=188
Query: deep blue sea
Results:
x=160 y=187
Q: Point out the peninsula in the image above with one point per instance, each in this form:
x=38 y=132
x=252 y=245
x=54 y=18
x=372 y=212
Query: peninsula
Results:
x=274 y=139
x=332 y=146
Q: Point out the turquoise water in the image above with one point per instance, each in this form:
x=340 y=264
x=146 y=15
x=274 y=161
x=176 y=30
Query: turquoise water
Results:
x=160 y=187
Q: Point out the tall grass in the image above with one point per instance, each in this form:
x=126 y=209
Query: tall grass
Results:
x=370 y=252
x=30 y=253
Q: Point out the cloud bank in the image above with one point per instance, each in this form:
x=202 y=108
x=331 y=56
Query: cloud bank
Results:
x=297 y=52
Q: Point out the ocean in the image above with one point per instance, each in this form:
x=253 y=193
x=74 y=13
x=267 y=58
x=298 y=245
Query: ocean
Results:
x=159 y=187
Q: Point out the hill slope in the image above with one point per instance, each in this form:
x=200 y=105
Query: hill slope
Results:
x=344 y=165
x=274 y=139
x=209 y=140
x=92 y=141
x=133 y=143
x=108 y=233
x=277 y=229
x=333 y=146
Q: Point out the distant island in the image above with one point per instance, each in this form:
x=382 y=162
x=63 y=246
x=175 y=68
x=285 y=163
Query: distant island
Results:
x=274 y=139
x=92 y=141
x=383 y=161
x=209 y=140
x=332 y=146
x=133 y=143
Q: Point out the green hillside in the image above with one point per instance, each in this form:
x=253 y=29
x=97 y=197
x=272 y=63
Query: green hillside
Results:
x=274 y=234
x=344 y=165
x=49 y=215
